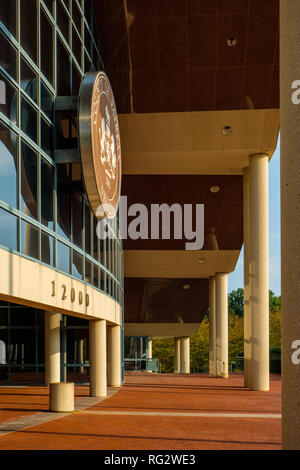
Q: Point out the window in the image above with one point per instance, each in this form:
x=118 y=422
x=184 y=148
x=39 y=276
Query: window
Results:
x=29 y=240
x=47 y=249
x=46 y=41
x=8 y=55
x=77 y=265
x=29 y=119
x=44 y=213
x=9 y=99
x=29 y=196
x=8 y=166
x=47 y=188
x=8 y=15
x=63 y=257
x=29 y=27
x=9 y=230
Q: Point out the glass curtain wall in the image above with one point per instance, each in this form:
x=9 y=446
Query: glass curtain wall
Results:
x=46 y=46
x=22 y=346
x=44 y=212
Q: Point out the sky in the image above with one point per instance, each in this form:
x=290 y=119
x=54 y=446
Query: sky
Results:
x=236 y=279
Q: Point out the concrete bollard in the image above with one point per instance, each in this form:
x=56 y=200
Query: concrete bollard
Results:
x=62 y=397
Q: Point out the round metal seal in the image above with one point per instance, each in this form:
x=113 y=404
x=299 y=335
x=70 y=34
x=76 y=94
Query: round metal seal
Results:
x=100 y=147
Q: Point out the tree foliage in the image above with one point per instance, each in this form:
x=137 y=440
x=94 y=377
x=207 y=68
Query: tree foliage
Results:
x=274 y=302
x=236 y=302
x=163 y=349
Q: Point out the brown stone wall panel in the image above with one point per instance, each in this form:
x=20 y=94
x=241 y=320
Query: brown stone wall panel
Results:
x=229 y=87
x=222 y=210
x=191 y=191
x=107 y=9
x=264 y=5
x=165 y=300
x=233 y=6
x=261 y=43
x=170 y=7
x=117 y=59
x=231 y=216
x=258 y=84
x=232 y=26
x=200 y=80
x=114 y=29
x=172 y=42
x=147 y=91
x=202 y=40
x=234 y=189
x=120 y=84
x=226 y=238
x=211 y=215
x=141 y=8
x=175 y=90
x=144 y=44
x=202 y=7
x=274 y=98
x=208 y=183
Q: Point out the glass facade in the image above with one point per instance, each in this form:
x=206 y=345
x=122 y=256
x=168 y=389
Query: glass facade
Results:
x=44 y=211
x=22 y=339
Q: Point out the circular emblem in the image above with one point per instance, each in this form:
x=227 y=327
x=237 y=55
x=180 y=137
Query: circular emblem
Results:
x=100 y=147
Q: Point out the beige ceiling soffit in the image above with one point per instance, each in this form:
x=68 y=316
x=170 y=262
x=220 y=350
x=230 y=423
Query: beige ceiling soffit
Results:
x=159 y=330
x=193 y=142
x=179 y=264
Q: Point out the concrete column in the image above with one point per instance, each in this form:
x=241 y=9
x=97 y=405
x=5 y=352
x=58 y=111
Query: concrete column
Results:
x=212 y=326
x=247 y=323
x=75 y=348
x=52 y=347
x=108 y=354
x=80 y=354
x=63 y=369
x=222 y=324
x=149 y=348
x=61 y=397
x=114 y=356
x=176 y=355
x=141 y=347
x=132 y=348
x=259 y=272
x=290 y=220
x=185 y=355
x=98 y=380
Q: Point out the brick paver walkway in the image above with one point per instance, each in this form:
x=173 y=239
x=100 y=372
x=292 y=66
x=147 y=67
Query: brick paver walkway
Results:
x=154 y=412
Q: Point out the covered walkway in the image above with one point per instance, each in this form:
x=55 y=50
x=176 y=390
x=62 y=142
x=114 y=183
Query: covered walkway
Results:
x=150 y=412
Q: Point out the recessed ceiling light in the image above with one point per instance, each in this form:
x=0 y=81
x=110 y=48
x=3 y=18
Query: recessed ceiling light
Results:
x=186 y=286
x=227 y=130
x=231 y=42
x=215 y=189
x=201 y=260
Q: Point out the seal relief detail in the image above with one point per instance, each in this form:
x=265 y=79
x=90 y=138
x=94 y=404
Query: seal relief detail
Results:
x=104 y=179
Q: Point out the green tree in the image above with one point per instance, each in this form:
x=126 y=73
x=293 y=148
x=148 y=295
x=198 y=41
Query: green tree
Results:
x=236 y=302
x=274 y=302
x=163 y=349
x=275 y=329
